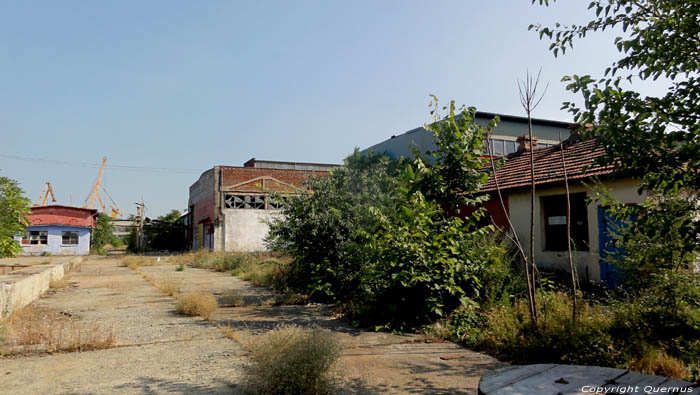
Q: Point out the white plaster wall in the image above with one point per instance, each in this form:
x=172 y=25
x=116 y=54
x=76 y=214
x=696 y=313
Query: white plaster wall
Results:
x=55 y=244
x=587 y=262
x=245 y=230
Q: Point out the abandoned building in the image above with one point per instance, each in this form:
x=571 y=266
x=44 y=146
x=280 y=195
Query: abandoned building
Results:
x=504 y=136
x=58 y=230
x=591 y=226
x=229 y=205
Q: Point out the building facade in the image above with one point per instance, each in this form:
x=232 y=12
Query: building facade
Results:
x=58 y=230
x=229 y=206
x=591 y=226
x=503 y=139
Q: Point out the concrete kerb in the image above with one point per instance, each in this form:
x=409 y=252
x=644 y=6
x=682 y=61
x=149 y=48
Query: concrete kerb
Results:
x=20 y=288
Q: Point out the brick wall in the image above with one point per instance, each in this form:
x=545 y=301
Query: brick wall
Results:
x=62 y=215
x=236 y=175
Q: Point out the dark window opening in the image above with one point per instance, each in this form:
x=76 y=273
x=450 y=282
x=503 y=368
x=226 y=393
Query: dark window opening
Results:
x=36 y=237
x=69 y=238
x=254 y=202
x=554 y=208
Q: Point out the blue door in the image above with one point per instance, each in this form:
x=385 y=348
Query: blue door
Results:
x=608 y=228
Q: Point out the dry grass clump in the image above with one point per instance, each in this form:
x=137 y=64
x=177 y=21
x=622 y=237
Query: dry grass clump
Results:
x=58 y=283
x=231 y=298
x=27 y=331
x=134 y=261
x=196 y=304
x=293 y=360
x=660 y=364
x=230 y=333
x=169 y=285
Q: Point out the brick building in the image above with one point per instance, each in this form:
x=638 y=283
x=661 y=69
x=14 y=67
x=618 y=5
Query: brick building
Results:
x=228 y=205
x=58 y=230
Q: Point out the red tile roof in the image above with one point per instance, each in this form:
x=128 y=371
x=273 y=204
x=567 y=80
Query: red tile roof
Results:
x=580 y=163
x=62 y=215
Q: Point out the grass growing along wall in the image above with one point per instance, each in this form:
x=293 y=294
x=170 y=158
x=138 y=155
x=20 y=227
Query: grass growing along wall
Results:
x=261 y=268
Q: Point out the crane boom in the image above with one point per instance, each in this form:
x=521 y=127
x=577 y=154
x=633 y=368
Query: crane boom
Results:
x=93 y=195
x=45 y=192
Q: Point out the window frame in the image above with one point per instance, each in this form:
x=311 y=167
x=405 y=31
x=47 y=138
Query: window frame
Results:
x=71 y=232
x=32 y=236
x=555 y=233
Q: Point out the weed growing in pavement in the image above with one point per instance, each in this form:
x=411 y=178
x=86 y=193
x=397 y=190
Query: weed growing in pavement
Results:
x=27 y=331
x=134 y=261
x=293 y=360
x=58 y=283
x=231 y=298
x=196 y=304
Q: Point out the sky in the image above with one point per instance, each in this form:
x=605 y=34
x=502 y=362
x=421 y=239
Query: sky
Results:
x=168 y=89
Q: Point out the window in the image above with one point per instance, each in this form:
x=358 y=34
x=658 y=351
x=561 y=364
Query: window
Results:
x=554 y=209
x=254 y=202
x=503 y=147
x=69 y=238
x=511 y=146
x=36 y=237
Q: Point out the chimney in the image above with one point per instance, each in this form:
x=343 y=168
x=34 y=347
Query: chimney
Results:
x=524 y=143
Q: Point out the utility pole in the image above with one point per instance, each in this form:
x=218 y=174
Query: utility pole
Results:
x=140 y=218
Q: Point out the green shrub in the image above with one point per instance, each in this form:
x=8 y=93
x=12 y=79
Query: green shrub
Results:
x=293 y=360
x=319 y=230
x=221 y=261
x=180 y=268
x=626 y=334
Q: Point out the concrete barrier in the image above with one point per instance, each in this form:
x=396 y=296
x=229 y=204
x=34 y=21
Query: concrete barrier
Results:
x=22 y=287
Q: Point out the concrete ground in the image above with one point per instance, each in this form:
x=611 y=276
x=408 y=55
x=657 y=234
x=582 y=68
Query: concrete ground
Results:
x=159 y=352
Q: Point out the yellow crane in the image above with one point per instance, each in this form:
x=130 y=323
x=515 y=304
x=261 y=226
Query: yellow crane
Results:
x=94 y=194
x=45 y=192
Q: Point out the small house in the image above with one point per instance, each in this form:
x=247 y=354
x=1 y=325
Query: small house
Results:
x=58 y=230
x=590 y=224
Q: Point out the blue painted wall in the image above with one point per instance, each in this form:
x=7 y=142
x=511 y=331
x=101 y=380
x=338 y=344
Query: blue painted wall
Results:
x=55 y=245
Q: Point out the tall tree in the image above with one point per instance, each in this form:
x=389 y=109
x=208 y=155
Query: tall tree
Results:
x=657 y=138
x=14 y=208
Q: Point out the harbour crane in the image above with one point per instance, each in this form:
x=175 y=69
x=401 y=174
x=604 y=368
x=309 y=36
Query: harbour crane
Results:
x=45 y=192
x=94 y=195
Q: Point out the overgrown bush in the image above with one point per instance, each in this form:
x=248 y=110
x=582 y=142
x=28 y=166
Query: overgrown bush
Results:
x=293 y=360
x=320 y=229
x=423 y=263
x=378 y=237
x=625 y=334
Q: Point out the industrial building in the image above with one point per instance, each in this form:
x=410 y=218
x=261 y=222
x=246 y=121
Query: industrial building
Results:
x=229 y=205
x=504 y=136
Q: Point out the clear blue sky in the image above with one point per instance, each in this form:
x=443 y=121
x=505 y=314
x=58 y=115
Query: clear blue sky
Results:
x=193 y=84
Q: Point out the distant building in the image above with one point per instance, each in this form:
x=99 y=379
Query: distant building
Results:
x=122 y=227
x=58 y=230
x=504 y=136
x=228 y=205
